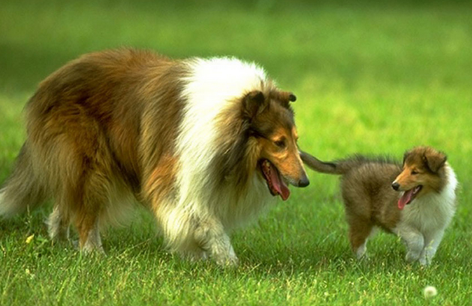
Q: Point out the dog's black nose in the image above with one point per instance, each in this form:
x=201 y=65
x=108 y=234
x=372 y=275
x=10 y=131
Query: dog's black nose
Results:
x=304 y=182
x=395 y=186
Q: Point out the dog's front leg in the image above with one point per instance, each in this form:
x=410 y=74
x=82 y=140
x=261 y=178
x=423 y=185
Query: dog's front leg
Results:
x=212 y=238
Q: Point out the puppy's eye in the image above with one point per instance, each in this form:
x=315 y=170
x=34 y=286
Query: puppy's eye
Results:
x=280 y=143
x=414 y=172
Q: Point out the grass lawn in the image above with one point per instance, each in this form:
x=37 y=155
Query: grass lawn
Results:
x=374 y=78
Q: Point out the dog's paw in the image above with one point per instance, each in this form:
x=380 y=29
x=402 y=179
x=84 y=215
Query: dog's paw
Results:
x=195 y=256
x=227 y=261
x=93 y=251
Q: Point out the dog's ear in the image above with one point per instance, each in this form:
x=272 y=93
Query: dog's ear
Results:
x=434 y=160
x=405 y=156
x=254 y=103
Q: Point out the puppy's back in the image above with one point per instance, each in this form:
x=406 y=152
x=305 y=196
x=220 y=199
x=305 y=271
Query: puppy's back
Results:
x=367 y=192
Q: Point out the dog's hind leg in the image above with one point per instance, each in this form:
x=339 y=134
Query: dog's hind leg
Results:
x=89 y=235
x=84 y=195
x=58 y=225
x=94 y=201
x=80 y=201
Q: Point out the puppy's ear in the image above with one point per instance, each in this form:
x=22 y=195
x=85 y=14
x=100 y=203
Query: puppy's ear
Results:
x=286 y=97
x=292 y=97
x=254 y=103
x=434 y=160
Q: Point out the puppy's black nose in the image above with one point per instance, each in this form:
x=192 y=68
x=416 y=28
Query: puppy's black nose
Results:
x=304 y=182
x=395 y=186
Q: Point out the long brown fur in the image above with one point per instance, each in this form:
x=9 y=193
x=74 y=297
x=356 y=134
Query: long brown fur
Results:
x=104 y=131
x=84 y=137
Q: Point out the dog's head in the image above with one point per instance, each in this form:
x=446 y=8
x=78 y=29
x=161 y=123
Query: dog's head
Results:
x=423 y=172
x=271 y=123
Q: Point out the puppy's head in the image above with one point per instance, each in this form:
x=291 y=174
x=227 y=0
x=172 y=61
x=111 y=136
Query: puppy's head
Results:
x=423 y=172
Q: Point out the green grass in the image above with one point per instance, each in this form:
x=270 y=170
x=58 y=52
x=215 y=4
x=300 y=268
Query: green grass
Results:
x=378 y=77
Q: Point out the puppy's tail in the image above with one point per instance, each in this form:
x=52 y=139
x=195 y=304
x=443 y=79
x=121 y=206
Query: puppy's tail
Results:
x=22 y=189
x=333 y=167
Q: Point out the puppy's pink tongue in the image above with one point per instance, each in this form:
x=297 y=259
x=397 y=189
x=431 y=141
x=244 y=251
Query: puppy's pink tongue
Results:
x=405 y=199
x=279 y=185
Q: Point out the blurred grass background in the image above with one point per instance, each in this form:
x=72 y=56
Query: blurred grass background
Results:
x=374 y=77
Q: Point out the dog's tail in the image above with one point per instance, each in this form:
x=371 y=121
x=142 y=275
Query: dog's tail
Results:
x=22 y=189
x=333 y=167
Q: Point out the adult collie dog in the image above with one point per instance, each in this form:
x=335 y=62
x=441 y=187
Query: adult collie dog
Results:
x=205 y=144
x=415 y=200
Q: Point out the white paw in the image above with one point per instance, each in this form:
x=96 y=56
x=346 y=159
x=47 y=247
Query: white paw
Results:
x=425 y=260
x=361 y=252
x=92 y=250
x=227 y=261
x=196 y=256
x=412 y=256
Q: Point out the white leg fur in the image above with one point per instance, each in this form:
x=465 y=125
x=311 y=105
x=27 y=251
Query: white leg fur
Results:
x=361 y=251
x=211 y=237
x=431 y=245
x=93 y=242
x=414 y=241
x=195 y=238
x=58 y=228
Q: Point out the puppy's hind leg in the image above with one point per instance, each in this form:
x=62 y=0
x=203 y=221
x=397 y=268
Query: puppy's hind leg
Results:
x=359 y=232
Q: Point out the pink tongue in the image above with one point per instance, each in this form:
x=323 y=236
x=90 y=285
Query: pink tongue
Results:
x=279 y=185
x=405 y=199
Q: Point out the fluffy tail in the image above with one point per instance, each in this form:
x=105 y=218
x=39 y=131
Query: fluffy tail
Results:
x=333 y=167
x=22 y=189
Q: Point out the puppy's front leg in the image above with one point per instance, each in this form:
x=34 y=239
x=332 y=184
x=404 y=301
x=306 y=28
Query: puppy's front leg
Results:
x=414 y=241
x=431 y=245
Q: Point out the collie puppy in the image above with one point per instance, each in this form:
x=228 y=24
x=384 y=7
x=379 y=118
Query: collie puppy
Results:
x=415 y=201
x=205 y=144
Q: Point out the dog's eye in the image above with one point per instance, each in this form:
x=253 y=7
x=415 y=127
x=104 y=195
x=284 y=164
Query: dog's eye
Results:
x=280 y=143
x=414 y=172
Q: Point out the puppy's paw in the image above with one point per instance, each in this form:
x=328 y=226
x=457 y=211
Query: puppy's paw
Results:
x=412 y=256
x=425 y=261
